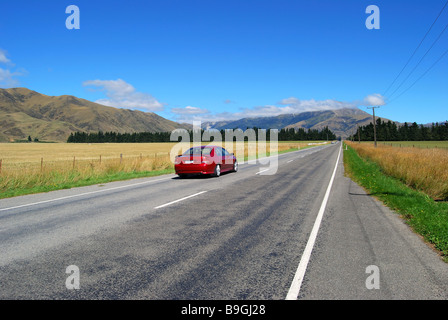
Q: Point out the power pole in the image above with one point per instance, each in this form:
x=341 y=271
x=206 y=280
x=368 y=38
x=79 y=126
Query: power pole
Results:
x=359 y=134
x=374 y=123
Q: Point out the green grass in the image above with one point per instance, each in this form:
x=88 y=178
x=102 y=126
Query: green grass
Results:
x=60 y=182
x=427 y=217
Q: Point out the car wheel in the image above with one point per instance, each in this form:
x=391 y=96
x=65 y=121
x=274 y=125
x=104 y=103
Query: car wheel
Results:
x=235 y=166
x=217 y=172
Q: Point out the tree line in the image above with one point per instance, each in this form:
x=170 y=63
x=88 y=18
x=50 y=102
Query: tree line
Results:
x=390 y=131
x=302 y=134
x=116 y=137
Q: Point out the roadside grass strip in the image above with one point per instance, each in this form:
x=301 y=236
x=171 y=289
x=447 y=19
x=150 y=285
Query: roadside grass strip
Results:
x=426 y=217
x=58 y=181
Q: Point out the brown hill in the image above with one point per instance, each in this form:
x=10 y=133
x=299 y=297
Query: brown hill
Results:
x=343 y=122
x=24 y=113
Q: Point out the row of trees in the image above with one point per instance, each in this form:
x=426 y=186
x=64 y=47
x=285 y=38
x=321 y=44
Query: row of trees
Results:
x=305 y=135
x=102 y=137
x=390 y=131
x=116 y=137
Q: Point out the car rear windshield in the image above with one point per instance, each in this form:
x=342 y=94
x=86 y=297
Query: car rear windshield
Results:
x=197 y=151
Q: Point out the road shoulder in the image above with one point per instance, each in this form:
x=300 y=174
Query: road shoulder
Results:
x=358 y=232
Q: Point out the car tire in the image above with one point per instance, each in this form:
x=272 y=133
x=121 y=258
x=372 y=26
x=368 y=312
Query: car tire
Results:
x=235 y=166
x=217 y=172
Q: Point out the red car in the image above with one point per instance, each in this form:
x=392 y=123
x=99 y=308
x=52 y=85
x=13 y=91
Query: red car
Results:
x=211 y=160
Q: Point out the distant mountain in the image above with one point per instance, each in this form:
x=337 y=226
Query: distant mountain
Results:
x=343 y=122
x=24 y=113
x=433 y=123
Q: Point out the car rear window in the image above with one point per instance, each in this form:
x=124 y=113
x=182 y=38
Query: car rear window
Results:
x=197 y=151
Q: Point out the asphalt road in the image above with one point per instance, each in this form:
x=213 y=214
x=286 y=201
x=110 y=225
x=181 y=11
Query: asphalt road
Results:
x=241 y=236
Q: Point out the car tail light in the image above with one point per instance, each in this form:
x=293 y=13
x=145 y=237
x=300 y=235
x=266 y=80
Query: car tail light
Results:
x=206 y=160
x=177 y=160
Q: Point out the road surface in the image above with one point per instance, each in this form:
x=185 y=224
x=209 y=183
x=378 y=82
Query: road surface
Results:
x=241 y=236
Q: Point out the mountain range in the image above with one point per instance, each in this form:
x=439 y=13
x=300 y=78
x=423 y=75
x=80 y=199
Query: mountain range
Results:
x=343 y=122
x=24 y=113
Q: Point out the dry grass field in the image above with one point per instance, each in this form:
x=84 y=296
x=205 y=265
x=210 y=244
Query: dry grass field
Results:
x=423 y=168
x=37 y=167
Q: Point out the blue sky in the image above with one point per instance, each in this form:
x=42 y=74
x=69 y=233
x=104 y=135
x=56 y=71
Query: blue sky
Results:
x=215 y=59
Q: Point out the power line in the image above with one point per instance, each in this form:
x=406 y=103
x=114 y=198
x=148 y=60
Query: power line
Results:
x=440 y=58
x=421 y=59
x=427 y=32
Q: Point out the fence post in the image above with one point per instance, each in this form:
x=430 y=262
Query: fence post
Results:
x=41 y=164
x=1 y=165
x=121 y=157
x=73 y=162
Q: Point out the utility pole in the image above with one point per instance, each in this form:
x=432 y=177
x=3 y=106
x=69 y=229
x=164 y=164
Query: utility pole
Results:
x=374 y=123
x=359 y=134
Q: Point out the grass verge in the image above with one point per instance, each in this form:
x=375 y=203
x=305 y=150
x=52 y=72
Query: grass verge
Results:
x=60 y=182
x=426 y=217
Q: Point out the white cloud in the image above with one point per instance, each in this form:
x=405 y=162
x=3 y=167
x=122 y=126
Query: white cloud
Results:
x=373 y=100
x=3 y=58
x=189 y=110
x=121 y=94
x=190 y=114
x=291 y=105
x=8 y=78
x=299 y=106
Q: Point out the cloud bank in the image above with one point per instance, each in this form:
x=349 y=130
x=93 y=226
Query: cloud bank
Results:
x=121 y=94
x=189 y=110
x=291 y=105
x=8 y=78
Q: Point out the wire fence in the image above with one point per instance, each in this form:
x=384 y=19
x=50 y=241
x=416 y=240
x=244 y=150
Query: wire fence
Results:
x=121 y=161
x=43 y=164
x=415 y=145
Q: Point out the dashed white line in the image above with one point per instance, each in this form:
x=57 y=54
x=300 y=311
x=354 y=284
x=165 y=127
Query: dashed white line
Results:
x=263 y=171
x=294 y=289
x=181 y=199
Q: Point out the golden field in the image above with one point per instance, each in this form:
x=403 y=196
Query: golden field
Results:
x=38 y=167
x=424 y=169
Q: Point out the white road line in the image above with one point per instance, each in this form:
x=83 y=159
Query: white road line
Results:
x=290 y=161
x=81 y=194
x=263 y=171
x=294 y=289
x=178 y=200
